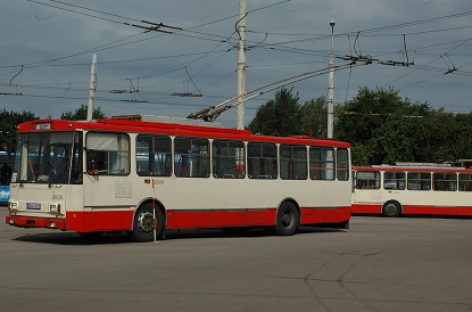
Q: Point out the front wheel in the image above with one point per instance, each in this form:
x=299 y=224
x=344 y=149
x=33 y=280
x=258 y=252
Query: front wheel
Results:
x=391 y=209
x=143 y=224
x=288 y=219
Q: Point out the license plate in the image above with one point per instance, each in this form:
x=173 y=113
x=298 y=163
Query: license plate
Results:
x=33 y=206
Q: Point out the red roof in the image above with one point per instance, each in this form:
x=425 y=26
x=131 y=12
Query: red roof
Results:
x=134 y=126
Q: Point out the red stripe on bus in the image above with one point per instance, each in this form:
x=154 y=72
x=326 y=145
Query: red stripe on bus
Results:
x=312 y=215
x=112 y=220
x=217 y=219
x=86 y=221
x=366 y=208
x=438 y=210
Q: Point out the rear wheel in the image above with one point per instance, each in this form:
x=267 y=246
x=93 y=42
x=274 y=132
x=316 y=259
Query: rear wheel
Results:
x=288 y=219
x=391 y=209
x=143 y=223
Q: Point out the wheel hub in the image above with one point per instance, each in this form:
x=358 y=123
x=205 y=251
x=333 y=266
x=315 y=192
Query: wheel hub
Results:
x=286 y=219
x=145 y=221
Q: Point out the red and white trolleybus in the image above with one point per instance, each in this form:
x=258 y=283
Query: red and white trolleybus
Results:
x=412 y=190
x=114 y=174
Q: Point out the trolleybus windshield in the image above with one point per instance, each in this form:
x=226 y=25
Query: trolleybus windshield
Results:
x=52 y=157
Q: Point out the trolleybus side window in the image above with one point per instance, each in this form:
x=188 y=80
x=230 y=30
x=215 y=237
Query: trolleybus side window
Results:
x=262 y=160
x=153 y=155
x=293 y=165
x=368 y=180
x=108 y=153
x=191 y=157
x=394 y=180
x=465 y=182
x=228 y=159
x=342 y=164
x=419 y=181
x=321 y=163
x=444 y=181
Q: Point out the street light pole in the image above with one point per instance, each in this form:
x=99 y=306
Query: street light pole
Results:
x=331 y=85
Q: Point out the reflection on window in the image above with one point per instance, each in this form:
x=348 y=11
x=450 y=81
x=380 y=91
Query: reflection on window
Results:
x=153 y=156
x=342 y=164
x=419 y=181
x=108 y=153
x=191 y=157
x=321 y=163
x=262 y=160
x=228 y=159
x=368 y=180
x=293 y=162
x=465 y=182
x=443 y=181
x=394 y=180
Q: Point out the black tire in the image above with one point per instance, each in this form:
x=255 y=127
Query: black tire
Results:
x=391 y=209
x=343 y=225
x=142 y=224
x=288 y=219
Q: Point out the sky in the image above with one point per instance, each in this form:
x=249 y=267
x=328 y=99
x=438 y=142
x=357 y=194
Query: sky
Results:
x=46 y=49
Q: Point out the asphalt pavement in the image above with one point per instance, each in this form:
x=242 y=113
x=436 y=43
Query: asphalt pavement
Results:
x=379 y=264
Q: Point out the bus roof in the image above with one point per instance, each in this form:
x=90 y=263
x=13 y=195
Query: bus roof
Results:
x=412 y=168
x=136 y=126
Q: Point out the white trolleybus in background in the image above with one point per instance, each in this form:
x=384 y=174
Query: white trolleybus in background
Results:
x=412 y=190
x=115 y=174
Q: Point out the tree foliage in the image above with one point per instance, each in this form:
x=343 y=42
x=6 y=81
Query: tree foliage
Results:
x=280 y=116
x=382 y=127
x=8 y=122
x=81 y=113
x=286 y=116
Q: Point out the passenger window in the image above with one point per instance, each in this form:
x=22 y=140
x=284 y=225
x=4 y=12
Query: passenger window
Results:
x=108 y=153
x=444 y=181
x=191 y=158
x=342 y=164
x=419 y=181
x=262 y=160
x=228 y=159
x=394 y=180
x=321 y=163
x=293 y=165
x=368 y=180
x=153 y=156
x=465 y=182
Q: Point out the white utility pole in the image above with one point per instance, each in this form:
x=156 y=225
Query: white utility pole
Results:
x=92 y=88
x=241 y=65
x=331 y=85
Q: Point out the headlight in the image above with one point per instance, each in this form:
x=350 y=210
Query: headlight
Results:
x=12 y=205
x=55 y=208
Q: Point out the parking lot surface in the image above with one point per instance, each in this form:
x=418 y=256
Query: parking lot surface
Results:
x=379 y=264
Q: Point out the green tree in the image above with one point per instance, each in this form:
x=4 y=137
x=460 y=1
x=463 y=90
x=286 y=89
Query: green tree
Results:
x=280 y=116
x=313 y=118
x=382 y=126
x=8 y=123
x=81 y=113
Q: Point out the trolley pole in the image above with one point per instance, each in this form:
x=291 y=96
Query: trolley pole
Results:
x=331 y=85
x=241 y=65
x=92 y=88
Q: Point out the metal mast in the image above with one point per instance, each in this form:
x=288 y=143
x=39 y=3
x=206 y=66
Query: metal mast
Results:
x=241 y=28
x=331 y=85
x=92 y=88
